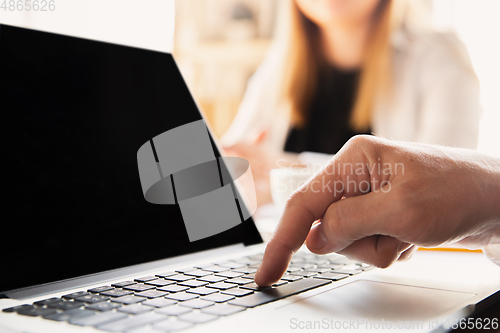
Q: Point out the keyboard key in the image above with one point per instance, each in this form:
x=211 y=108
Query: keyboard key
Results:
x=99 y=289
x=193 y=283
x=279 y=283
x=217 y=298
x=248 y=261
x=280 y=292
x=129 y=299
x=352 y=266
x=160 y=282
x=291 y=278
x=65 y=305
x=237 y=292
x=47 y=301
x=98 y=319
x=75 y=295
x=223 y=285
x=212 y=278
x=172 y=325
x=196 y=304
x=180 y=277
x=34 y=312
x=215 y=269
x=164 y=275
x=174 y=310
x=223 y=310
x=297 y=260
x=254 y=287
x=331 y=276
x=229 y=274
x=197 y=318
x=71 y=314
x=18 y=307
x=248 y=276
x=103 y=306
x=317 y=270
x=239 y=281
x=202 y=291
x=257 y=257
x=135 y=321
x=152 y=293
x=139 y=287
x=173 y=288
x=135 y=309
x=159 y=302
x=232 y=265
x=303 y=265
x=116 y=292
x=123 y=284
x=331 y=266
x=303 y=274
x=291 y=269
x=92 y=298
x=245 y=270
x=181 y=297
x=145 y=330
x=198 y=273
x=146 y=279
x=343 y=260
x=350 y=271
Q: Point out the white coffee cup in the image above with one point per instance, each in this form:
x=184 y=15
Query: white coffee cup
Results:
x=284 y=181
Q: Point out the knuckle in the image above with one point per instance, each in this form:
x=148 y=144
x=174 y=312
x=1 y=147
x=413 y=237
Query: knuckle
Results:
x=334 y=219
x=360 y=141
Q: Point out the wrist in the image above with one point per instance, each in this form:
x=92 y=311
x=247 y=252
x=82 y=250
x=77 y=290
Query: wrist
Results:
x=495 y=191
x=492 y=198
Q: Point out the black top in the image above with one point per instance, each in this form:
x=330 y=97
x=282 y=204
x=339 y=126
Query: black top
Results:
x=327 y=128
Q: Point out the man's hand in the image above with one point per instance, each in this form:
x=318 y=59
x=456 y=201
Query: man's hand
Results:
x=377 y=200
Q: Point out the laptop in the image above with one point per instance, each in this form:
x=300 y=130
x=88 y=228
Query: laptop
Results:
x=83 y=250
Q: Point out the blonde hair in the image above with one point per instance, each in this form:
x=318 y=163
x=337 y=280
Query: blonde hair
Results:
x=304 y=62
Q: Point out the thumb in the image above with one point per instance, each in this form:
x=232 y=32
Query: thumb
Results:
x=350 y=219
x=359 y=227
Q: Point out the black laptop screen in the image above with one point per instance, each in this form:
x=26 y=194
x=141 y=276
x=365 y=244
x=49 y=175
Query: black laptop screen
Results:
x=74 y=114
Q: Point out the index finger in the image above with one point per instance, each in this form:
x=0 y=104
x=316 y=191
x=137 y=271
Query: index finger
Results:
x=306 y=205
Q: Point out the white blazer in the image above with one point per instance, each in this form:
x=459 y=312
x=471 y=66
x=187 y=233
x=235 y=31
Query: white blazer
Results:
x=435 y=97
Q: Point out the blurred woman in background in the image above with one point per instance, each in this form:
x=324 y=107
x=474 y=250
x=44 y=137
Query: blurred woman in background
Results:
x=348 y=67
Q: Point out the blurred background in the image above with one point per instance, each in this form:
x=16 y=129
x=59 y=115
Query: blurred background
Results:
x=219 y=44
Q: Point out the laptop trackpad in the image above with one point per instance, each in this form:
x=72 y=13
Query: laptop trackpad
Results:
x=376 y=300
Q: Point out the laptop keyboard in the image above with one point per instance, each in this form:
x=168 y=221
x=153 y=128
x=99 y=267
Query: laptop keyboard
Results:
x=173 y=301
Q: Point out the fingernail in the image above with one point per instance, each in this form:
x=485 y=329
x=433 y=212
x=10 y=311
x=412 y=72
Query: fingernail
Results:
x=403 y=247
